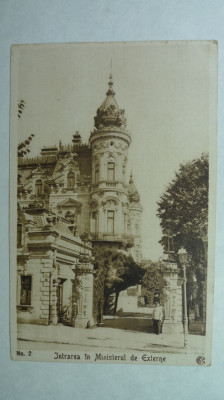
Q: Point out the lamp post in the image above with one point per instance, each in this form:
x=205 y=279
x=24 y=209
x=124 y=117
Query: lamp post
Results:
x=182 y=254
x=204 y=237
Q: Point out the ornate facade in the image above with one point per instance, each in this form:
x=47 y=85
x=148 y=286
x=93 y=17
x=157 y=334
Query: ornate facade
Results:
x=69 y=196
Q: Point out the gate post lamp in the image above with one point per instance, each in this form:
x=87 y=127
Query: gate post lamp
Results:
x=182 y=254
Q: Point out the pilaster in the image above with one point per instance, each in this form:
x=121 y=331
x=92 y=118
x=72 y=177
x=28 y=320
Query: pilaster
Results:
x=172 y=292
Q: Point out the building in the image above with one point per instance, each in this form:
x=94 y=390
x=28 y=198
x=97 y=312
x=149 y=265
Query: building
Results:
x=55 y=275
x=73 y=197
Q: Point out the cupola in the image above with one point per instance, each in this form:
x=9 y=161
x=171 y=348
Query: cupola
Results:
x=77 y=140
x=132 y=191
x=109 y=114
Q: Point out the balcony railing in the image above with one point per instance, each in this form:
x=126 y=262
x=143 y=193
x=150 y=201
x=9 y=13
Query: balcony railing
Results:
x=111 y=184
x=119 y=238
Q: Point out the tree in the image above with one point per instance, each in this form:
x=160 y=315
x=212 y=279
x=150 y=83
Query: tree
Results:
x=124 y=272
x=23 y=147
x=115 y=271
x=151 y=281
x=183 y=213
x=100 y=267
x=21 y=106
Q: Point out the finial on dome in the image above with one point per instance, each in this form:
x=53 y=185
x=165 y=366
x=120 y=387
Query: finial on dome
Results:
x=109 y=114
x=110 y=84
x=77 y=138
x=133 y=193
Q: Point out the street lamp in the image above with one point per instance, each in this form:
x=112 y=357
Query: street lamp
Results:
x=182 y=254
x=204 y=237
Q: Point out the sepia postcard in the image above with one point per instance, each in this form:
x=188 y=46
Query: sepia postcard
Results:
x=112 y=202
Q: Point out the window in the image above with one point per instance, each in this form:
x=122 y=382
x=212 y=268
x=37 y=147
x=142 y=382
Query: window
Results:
x=70 y=216
x=110 y=222
x=123 y=172
x=25 y=293
x=125 y=222
x=111 y=171
x=70 y=180
x=19 y=178
x=19 y=235
x=95 y=222
x=97 y=169
x=38 y=187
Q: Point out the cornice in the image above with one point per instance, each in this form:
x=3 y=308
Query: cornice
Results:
x=110 y=134
x=107 y=189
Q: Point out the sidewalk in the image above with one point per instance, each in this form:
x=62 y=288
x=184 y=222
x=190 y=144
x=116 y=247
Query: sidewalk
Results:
x=109 y=338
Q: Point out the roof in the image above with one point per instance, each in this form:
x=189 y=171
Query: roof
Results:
x=109 y=113
x=133 y=192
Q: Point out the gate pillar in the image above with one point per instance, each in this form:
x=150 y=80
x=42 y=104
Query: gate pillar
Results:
x=172 y=293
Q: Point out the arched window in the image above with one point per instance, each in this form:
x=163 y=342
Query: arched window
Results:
x=94 y=222
x=70 y=180
x=110 y=222
x=125 y=222
x=97 y=173
x=39 y=187
x=110 y=171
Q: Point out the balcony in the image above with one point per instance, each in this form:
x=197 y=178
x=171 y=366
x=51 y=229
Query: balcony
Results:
x=107 y=184
x=111 y=184
x=127 y=240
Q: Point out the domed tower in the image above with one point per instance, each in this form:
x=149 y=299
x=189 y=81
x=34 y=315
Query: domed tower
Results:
x=109 y=205
x=135 y=213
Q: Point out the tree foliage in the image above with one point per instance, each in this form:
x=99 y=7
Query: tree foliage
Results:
x=183 y=213
x=23 y=147
x=21 y=106
x=151 y=281
x=183 y=208
x=114 y=271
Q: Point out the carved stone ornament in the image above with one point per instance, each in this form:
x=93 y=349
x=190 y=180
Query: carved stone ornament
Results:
x=109 y=114
x=110 y=204
x=93 y=203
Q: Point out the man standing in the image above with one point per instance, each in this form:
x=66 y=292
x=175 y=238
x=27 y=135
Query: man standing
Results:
x=157 y=316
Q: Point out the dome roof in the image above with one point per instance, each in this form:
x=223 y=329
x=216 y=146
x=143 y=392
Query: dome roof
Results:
x=132 y=191
x=109 y=114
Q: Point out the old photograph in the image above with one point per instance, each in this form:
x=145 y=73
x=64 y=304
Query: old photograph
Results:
x=112 y=202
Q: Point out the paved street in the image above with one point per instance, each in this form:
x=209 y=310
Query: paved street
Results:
x=103 y=338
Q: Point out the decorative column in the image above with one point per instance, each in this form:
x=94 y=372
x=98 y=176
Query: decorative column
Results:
x=53 y=315
x=83 y=290
x=172 y=292
x=53 y=299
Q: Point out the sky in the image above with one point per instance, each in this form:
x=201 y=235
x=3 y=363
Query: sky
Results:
x=164 y=87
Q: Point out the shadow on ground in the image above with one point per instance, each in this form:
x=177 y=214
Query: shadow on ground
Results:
x=129 y=323
x=141 y=323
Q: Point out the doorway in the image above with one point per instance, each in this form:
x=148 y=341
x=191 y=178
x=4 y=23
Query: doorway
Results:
x=60 y=303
